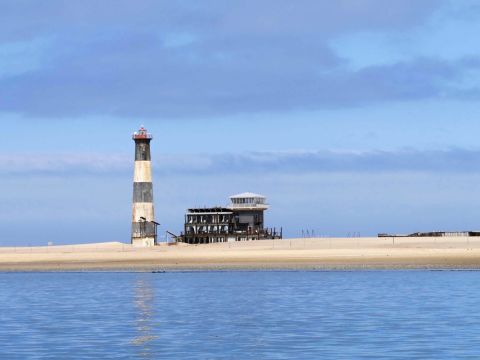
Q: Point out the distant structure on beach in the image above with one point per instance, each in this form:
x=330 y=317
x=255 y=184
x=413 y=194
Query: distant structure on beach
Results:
x=435 y=234
x=144 y=227
x=242 y=220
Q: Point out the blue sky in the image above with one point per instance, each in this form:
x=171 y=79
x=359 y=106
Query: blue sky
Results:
x=350 y=116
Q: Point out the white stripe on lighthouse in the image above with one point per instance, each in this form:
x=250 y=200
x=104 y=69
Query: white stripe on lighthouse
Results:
x=143 y=171
x=145 y=210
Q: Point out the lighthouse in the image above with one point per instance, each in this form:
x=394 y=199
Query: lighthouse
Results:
x=144 y=227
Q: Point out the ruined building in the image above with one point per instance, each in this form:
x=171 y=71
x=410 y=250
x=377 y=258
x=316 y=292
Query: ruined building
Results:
x=242 y=220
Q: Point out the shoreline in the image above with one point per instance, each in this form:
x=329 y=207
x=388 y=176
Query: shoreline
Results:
x=219 y=270
x=316 y=254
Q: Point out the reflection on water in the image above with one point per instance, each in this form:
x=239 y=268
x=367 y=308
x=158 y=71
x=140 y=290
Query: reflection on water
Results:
x=143 y=301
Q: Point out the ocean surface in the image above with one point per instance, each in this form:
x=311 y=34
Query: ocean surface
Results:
x=241 y=315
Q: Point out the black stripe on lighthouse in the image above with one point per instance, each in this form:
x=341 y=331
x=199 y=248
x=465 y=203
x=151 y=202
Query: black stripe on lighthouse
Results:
x=142 y=192
x=142 y=150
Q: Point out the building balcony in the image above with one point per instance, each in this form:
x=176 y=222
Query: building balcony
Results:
x=251 y=206
x=142 y=133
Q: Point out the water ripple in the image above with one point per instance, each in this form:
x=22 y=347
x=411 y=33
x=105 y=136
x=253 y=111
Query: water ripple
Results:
x=240 y=315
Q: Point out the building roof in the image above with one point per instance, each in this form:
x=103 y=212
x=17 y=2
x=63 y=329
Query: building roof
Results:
x=247 y=195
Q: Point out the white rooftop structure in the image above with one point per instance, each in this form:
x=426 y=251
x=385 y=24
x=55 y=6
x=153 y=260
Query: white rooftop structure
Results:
x=247 y=195
x=248 y=201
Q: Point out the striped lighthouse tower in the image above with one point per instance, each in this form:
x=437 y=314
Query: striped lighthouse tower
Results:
x=144 y=227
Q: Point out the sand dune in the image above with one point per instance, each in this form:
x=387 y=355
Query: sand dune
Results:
x=315 y=253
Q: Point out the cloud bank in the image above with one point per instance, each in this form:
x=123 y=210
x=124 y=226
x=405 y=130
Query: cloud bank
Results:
x=442 y=161
x=176 y=59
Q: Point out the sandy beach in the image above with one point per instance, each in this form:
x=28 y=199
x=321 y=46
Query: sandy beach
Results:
x=315 y=253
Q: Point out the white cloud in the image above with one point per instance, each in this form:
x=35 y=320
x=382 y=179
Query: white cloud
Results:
x=288 y=162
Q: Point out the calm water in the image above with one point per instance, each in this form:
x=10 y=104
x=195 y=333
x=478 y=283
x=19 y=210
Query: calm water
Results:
x=240 y=315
